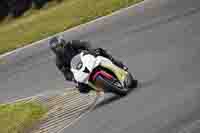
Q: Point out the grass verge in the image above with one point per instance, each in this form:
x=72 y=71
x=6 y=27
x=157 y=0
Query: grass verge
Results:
x=46 y=22
x=16 y=117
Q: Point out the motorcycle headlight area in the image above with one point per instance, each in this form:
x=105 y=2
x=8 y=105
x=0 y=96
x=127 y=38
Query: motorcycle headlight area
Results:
x=76 y=62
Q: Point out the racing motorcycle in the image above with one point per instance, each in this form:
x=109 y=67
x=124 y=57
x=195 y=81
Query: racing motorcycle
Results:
x=101 y=74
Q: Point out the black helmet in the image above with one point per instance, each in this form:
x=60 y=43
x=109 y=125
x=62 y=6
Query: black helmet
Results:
x=57 y=45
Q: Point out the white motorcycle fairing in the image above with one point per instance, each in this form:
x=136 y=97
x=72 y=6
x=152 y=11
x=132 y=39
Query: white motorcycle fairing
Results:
x=83 y=64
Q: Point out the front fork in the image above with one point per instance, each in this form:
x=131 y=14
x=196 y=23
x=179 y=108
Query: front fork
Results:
x=99 y=90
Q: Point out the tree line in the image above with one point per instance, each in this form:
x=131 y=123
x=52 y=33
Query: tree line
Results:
x=16 y=8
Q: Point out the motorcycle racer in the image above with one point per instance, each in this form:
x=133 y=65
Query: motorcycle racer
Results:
x=65 y=51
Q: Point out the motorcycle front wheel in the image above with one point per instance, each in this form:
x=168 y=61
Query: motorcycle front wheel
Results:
x=112 y=85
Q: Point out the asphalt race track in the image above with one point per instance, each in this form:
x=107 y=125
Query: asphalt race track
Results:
x=160 y=42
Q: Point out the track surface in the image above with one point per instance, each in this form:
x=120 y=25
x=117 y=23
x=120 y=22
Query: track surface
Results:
x=160 y=42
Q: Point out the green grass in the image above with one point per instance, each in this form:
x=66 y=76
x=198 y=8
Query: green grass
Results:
x=15 y=118
x=36 y=25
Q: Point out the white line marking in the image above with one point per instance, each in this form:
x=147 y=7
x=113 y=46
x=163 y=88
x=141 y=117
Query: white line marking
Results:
x=70 y=112
x=77 y=119
x=74 y=28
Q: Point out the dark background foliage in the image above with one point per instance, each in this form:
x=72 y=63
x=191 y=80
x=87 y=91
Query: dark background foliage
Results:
x=16 y=8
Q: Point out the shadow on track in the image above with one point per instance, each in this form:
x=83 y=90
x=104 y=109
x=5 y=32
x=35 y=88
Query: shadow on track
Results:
x=114 y=98
x=107 y=101
x=145 y=84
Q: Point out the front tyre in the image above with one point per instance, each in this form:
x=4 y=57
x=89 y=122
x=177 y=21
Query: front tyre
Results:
x=130 y=82
x=112 y=85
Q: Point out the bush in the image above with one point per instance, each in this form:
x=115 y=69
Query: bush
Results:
x=4 y=9
x=39 y=3
x=18 y=7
